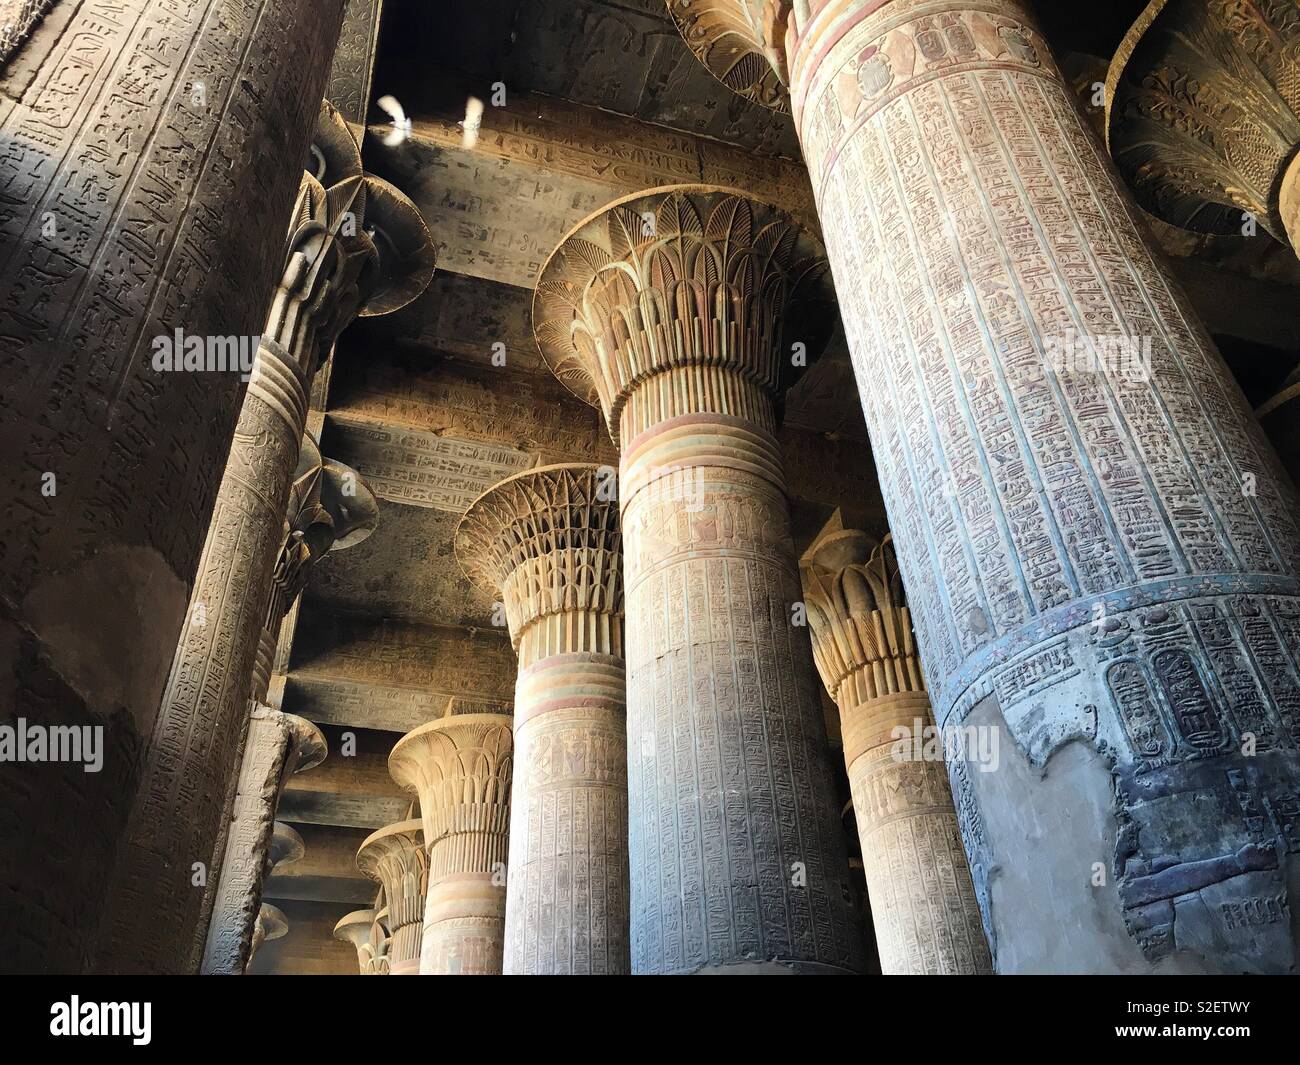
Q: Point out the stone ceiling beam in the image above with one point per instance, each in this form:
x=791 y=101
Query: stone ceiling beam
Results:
x=541 y=165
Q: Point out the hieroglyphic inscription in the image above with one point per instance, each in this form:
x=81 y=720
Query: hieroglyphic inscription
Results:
x=349 y=81
x=1043 y=514
x=116 y=177
x=423 y=469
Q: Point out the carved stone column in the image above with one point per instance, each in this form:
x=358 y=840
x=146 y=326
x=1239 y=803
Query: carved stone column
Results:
x=682 y=312
x=361 y=928
x=330 y=509
x=334 y=268
x=396 y=858
x=286 y=847
x=547 y=541
x=129 y=130
x=1099 y=547
x=923 y=904
x=459 y=767
x=204 y=711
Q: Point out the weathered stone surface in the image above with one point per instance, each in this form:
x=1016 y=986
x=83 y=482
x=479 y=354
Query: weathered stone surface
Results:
x=541 y=165
x=108 y=243
x=548 y=542
x=1101 y=561
x=354 y=61
x=927 y=920
x=741 y=43
x=459 y=767
x=681 y=312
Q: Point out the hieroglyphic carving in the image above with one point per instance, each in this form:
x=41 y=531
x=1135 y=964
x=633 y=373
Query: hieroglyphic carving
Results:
x=1203 y=113
x=395 y=857
x=923 y=904
x=548 y=543
x=353 y=247
x=115 y=229
x=676 y=311
x=459 y=767
x=423 y=469
x=1099 y=555
x=552 y=162
x=354 y=60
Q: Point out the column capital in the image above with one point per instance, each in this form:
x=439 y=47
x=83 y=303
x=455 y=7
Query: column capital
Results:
x=270 y=923
x=395 y=857
x=861 y=632
x=389 y=854
x=548 y=542
x=459 y=768
x=741 y=43
x=1203 y=114
x=362 y=929
x=691 y=297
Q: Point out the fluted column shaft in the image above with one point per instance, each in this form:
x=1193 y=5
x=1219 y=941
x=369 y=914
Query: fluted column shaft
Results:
x=1099 y=548
x=548 y=542
x=130 y=128
x=460 y=767
x=736 y=853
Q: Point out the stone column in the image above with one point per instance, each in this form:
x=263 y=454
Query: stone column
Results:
x=330 y=509
x=683 y=313
x=547 y=541
x=459 y=767
x=286 y=847
x=337 y=264
x=395 y=857
x=202 y=722
x=361 y=928
x=923 y=905
x=129 y=130
x=1099 y=547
